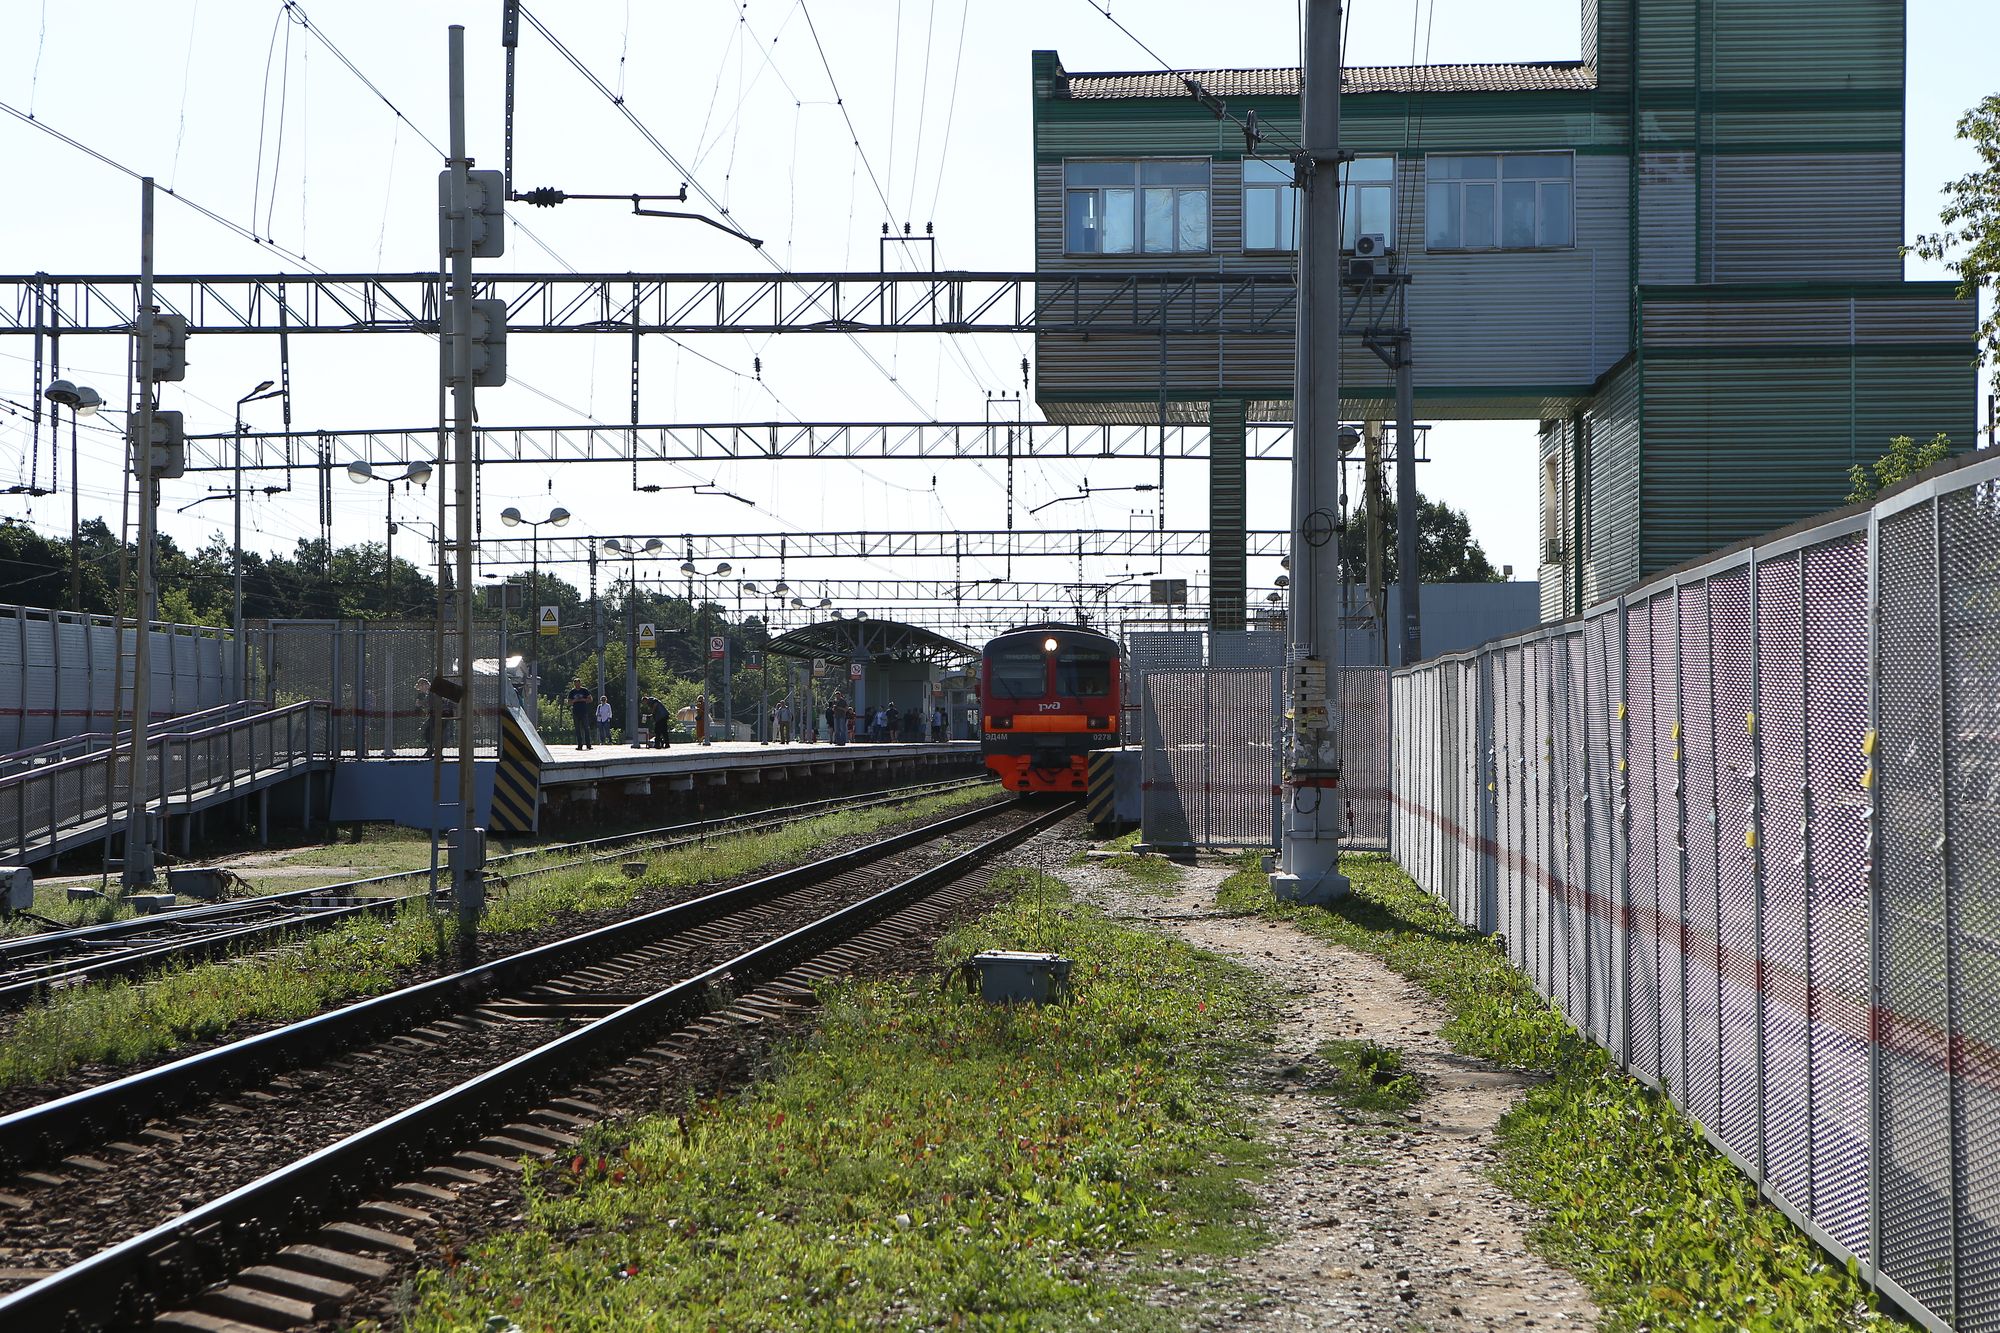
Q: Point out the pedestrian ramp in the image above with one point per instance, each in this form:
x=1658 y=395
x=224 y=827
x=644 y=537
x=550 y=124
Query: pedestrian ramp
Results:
x=59 y=797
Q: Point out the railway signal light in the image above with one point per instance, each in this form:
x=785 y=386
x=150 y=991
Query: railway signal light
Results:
x=168 y=447
x=169 y=350
x=483 y=323
x=482 y=231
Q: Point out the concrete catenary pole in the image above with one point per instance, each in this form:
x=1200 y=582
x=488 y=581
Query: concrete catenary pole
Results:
x=468 y=888
x=1408 y=575
x=1308 y=864
x=138 y=868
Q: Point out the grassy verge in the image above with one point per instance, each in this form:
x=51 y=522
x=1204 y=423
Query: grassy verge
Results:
x=1153 y=872
x=123 y=1022
x=1667 y=1232
x=925 y=1161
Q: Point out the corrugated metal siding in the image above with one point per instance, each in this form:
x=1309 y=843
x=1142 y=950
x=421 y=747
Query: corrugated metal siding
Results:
x=1666 y=217
x=1513 y=331
x=1835 y=320
x=1666 y=44
x=1823 y=215
x=1776 y=45
x=1227 y=517
x=1611 y=555
x=1610 y=23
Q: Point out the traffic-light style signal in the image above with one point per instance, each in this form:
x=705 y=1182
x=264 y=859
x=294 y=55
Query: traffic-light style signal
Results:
x=484 y=322
x=168 y=455
x=482 y=233
x=169 y=350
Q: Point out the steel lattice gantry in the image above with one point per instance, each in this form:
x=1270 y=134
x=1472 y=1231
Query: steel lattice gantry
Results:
x=744 y=441
x=1183 y=303
x=1138 y=544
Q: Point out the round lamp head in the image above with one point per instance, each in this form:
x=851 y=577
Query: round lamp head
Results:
x=1274 y=597
x=653 y=544
x=420 y=473
x=826 y=601
x=749 y=586
x=781 y=589
x=62 y=393
x=88 y=400
x=1283 y=580
x=724 y=567
x=511 y=516
x=359 y=471
x=613 y=544
x=558 y=516
x=687 y=567
x=799 y=602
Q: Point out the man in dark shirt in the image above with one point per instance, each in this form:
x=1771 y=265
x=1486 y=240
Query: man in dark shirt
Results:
x=582 y=705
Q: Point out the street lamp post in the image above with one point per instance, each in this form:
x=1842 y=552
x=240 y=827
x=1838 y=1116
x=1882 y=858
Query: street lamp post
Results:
x=721 y=570
x=82 y=401
x=263 y=390
x=361 y=473
x=513 y=519
x=631 y=550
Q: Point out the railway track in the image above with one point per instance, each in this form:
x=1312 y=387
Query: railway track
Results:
x=116 y=1213
x=30 y=966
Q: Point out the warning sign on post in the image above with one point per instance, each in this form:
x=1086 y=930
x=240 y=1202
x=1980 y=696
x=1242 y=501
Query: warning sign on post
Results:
x=715 y=647
x=819 y=666
x=646 y=636
x=551 y=620
x=854 y=671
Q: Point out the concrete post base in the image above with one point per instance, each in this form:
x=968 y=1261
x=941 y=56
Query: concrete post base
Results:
x=1315 y=890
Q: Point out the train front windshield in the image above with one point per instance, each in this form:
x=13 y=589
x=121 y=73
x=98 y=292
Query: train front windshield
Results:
x=1083 y=673
x=1017 y=673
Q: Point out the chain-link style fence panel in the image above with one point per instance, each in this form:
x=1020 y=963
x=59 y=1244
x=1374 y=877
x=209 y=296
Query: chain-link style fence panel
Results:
x=376 y=676
x=1740 y=826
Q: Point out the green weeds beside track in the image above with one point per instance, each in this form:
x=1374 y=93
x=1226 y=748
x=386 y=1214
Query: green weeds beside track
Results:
x=924 y=1161
x=123 y=1022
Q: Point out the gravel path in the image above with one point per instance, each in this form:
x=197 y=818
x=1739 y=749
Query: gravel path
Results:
x=1374 y=1227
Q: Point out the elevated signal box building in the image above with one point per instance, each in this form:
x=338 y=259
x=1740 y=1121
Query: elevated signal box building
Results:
x=1681 y=254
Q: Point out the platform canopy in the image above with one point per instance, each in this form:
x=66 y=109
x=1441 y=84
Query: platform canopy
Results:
x=864 y=639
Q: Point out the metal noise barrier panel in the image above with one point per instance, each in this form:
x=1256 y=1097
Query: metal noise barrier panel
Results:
x=1742 y=827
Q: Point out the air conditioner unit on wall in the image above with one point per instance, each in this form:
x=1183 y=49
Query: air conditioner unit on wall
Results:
x=1371 y=245
x=1552 y=553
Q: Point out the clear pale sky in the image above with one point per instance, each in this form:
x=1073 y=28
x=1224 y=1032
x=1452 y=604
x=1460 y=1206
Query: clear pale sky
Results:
x=239 y=109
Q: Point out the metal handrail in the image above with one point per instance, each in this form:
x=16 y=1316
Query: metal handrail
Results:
x=50 y=799
x=95 y=742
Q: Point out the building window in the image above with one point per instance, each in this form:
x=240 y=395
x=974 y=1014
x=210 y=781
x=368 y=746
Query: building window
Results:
x=1505 y=201
x=1271 y=202
x=1153 y=206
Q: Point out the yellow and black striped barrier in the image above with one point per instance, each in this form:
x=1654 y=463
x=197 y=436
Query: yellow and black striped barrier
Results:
x=517 y=781
x=1100 y=788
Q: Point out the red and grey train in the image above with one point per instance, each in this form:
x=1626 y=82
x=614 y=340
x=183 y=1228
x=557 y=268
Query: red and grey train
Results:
x=1048 y=695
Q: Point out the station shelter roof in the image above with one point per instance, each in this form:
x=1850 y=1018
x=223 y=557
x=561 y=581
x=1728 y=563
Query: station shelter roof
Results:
x=865 y=639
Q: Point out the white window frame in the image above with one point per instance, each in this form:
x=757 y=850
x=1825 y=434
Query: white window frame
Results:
x=1350 y=211
x=1542 y=208
x=1138 y=204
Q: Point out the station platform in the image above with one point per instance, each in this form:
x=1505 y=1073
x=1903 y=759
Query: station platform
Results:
x=576 y=785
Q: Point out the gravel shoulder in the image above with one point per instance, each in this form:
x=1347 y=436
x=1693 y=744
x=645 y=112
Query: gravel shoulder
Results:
x=1373 y=1227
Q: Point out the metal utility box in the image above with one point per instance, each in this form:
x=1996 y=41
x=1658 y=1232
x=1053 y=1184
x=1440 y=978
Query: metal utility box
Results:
x=1009 y=977
x=17 y=888
x=204 y=882
x=146 y=904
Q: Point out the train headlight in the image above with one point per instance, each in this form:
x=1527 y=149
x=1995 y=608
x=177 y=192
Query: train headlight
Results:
x=1048 y=645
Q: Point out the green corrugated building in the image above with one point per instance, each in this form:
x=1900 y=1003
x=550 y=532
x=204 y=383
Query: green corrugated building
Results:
x=1681 y=254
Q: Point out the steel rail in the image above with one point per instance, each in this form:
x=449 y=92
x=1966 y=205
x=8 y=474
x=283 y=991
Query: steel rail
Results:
x=53 y=1128
x=311 y=910
x=127 y=1283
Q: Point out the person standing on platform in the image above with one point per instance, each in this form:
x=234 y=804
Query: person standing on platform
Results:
x=604 y=719
x=890 y=724
x=836 y=719
x=784 y=724
x=580 y=711
x=662 y=723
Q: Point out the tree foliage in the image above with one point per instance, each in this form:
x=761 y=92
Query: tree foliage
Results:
x=1905 y=458
x=1446 y=550
x=1970 y=243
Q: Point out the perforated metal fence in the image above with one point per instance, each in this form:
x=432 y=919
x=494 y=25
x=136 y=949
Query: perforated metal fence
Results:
x=1743 y=827
x=368 y=671
x=64 y=674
